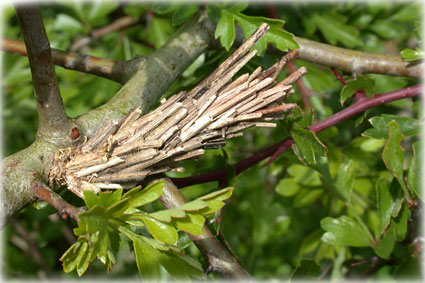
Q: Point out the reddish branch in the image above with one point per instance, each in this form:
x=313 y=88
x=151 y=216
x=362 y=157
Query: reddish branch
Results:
x=277 y=149
x=51 y=111
x=338 y=76
x=111 y=69
x=304 y=91
x=65 y=209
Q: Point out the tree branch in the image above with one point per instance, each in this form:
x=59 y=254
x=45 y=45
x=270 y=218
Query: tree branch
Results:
x=356 y=61
x=154 y=74
x=51 y=111
x=65 y=209
x=111 y=69
x=347 y=59
x=275 y=150
x=217 y=257
x=118 y=24
x=304 y=91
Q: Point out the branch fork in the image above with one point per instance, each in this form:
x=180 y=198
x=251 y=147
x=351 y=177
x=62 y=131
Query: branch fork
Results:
x=121 y=154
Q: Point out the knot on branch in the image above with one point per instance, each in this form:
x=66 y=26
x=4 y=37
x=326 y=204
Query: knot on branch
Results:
x=120 y=154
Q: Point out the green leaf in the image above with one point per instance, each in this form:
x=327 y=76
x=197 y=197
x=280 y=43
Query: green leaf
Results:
x=225 y=30
x=193 y=223
x=307 y=196
x=287 y=187
x=408 y=13
x=139 y=196
x=412 y=55
x=160 y=30
x=167 y=214
x=311 y=242
x=162 y=8
x=398 y=226
x=83 y=264
x=386 y=198
x=344 y=231
x=345 y=180
x=65 y=23
x=304 y=175
x=103 y=199
x=282 y=39
x=393 y=154
x=387 y=29
x=69 y=258
x=413 y=175
x=162 y=232
x=82 y=251
x=360 y=83
x=334 y=30
x=93 y=220
x=194 y=205
x=183 y=13
x=146 y=259
x=385 y=246
x=222 y=194
x=408 y=126
x=118 y=208
x=308 y=144
x=308 y=270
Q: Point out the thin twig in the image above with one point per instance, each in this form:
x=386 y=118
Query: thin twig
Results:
x=65 y=209
x=304 y=91
x=338 y=76
x=118 y=24
x=51 y=111
x=32 y=248
x=217 y=257
x=275 y=150
x=111 y=69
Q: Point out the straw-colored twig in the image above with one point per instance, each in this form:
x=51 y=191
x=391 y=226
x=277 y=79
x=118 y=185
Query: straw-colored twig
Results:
x=181 y=128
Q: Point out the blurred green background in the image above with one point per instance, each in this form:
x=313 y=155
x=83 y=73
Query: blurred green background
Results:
x=273 y=221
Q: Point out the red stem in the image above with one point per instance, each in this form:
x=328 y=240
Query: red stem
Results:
x=277 y=149
x=338 y=76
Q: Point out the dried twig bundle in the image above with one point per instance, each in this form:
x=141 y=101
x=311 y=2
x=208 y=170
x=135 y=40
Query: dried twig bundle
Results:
x=120 y=154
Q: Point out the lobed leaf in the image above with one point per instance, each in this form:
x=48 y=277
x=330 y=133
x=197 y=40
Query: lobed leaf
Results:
x=360 y=83
x=408 y=126
x=393 y=154
x=308 y=144
x=335 y=30
x=225 y=29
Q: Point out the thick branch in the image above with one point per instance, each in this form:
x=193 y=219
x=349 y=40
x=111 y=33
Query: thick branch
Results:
x=347 y=59
x=357 y=61
x=217 y=257
x=275 y=150
x=111 y=69
x=154 y=74
x=51 y=111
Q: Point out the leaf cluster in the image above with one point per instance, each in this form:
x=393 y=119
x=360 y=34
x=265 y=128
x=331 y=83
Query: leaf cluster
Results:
x=154 y=235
